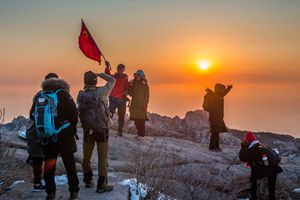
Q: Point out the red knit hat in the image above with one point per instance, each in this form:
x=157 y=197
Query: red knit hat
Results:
x=250 y=137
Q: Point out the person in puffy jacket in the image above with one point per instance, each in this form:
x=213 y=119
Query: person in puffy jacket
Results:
x=65 y=144
x=139 y=91
x=250 y=152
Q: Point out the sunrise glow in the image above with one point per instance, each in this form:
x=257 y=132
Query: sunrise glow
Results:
x=203 y=64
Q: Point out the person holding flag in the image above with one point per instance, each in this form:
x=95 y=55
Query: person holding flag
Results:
x=118 y=96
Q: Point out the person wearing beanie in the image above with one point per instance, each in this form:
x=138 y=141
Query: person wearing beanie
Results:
x=66 y=112
x=252 y=153
x=139 y=91
x=118 y=96
x=215 y=107
x=95 y=120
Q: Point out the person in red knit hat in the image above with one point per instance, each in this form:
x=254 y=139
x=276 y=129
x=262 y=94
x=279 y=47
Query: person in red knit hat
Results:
x=251 y=152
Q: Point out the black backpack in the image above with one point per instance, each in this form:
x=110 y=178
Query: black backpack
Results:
x=93 y=112
x=207 y=101
x=273 y=157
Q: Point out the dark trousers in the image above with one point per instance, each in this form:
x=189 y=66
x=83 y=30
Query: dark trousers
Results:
x=37 y=167
x=271 y=187
x=140 y=126
x=120 y=104
x=49 y=171
x=214 y=140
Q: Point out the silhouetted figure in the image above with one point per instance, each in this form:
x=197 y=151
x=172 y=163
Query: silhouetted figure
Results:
x=139 y=91
x=263 y=163
x=118 y=96
x=214 y=105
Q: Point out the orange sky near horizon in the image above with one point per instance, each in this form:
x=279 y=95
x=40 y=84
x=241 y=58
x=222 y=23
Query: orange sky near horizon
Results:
x=254 y=46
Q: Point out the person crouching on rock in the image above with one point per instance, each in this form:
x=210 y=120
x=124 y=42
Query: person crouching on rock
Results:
x=95 y=118
x=139 y=91
x=263 y=162
x=55 y=115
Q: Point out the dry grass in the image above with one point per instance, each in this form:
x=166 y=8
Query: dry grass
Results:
x=159 y=168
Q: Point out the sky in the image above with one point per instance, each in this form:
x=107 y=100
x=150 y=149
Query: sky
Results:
x=253 y=45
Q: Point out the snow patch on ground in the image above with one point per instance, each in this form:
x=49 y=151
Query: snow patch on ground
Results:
x=139 y=191
x=61 y=180
x=296 y=190
x=16 y=183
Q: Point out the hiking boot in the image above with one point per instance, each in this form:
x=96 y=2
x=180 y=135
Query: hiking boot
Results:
x=73 y=196
x=38 y=187
x=50 y=196
x=108 y=188
x=89 y=184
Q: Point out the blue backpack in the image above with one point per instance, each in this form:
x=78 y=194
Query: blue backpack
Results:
x=45 y=114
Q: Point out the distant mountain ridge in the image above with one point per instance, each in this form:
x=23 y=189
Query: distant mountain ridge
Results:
x=194 y=126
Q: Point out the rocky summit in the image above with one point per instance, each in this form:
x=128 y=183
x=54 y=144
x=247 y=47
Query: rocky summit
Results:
x=172 y=161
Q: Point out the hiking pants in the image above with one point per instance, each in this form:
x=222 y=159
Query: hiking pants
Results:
x=49 y=171
x=102 y=150
x=271 y=187
x=120 y=104
x=214 y=140
x=140 y=126
x=37 y=168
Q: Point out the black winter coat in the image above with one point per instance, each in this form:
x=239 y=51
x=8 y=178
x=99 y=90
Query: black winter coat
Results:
x=253 y=157
x=67 y=110
x=34 y=147
x=216 y=112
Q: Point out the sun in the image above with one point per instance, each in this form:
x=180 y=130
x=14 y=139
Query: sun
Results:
x=203 y=64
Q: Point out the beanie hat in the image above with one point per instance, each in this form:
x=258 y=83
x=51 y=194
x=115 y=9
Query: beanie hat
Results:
x=51 y=75
x=140 y=73
x=90 y=78
x=249 y=137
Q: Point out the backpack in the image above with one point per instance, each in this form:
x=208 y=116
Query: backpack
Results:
x=207 y=101
x=272 y=154
x=45 y=113
x=93 y=112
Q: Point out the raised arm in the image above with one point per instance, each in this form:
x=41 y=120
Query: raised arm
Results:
x=107 y=68
x=110 y=82
x=227 y=90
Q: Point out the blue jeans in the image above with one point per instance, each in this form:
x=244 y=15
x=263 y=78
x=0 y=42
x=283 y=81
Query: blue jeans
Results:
x=120 y=104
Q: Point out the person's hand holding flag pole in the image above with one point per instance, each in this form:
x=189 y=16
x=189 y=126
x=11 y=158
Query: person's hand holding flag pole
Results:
x=88 y=45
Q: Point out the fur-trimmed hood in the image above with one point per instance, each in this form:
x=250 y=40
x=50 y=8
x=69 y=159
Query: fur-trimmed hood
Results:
x=53 y=84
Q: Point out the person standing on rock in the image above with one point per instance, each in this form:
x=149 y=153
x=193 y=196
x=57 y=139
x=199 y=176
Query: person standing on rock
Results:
x=35 y=158
x=262 y=163
x=65 y=117
x=139 y=91
x=214 y=105
x=95 y=118
x=118 y=96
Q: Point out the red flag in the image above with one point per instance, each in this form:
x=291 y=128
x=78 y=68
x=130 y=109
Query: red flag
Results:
x=87 y=44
